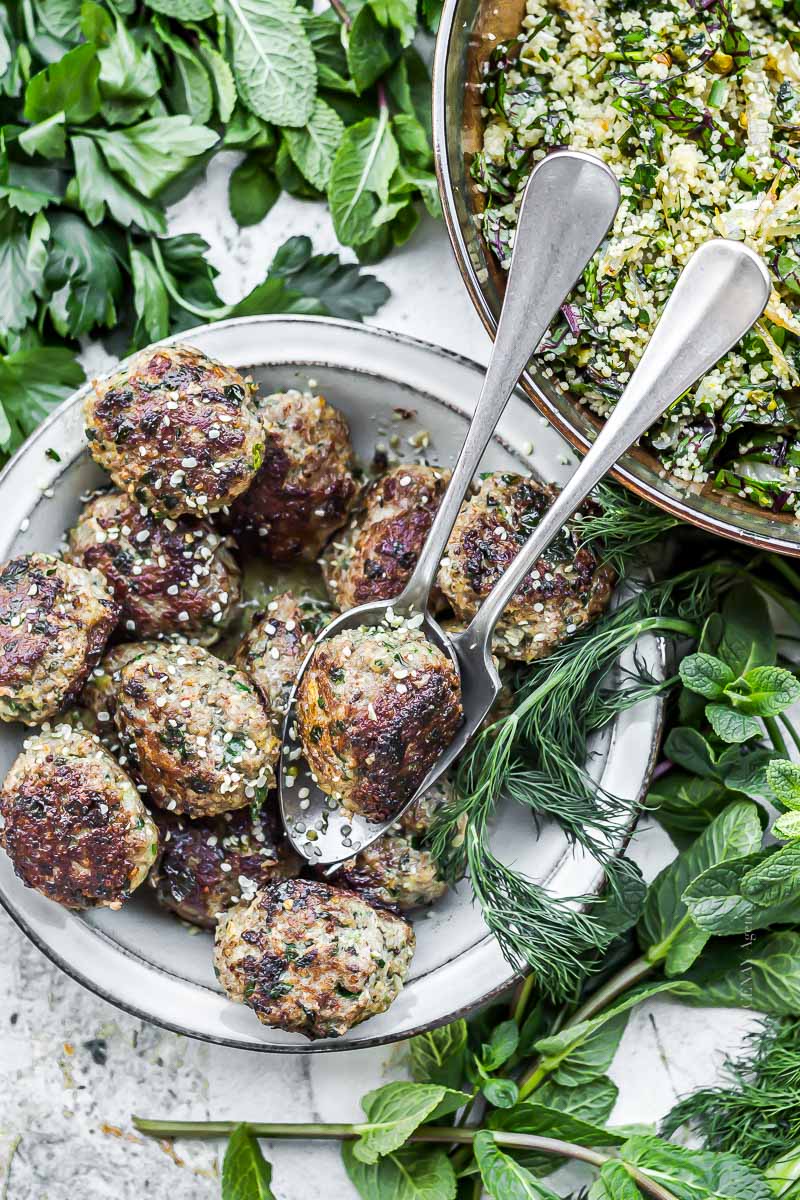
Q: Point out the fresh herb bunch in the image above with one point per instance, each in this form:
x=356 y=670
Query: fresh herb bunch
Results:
x=111 y=111
x=496 y=1102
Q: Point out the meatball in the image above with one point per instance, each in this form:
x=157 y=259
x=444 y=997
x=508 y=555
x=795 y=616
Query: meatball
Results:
x=272 y=652
x=393 y=871
x=195 y=730
x=305 y=487
x=176 y=430
x=74 y=825
x=55 y=619
x=206 y=866
x=567 y=588
x=375 y=709
x=312 y=959
x=170 y=577
x=98 y=700
x=376 y=555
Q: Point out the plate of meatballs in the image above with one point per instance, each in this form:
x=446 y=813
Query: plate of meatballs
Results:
x=175 y=536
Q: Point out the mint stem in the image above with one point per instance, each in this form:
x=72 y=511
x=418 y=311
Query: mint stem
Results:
x=429 y=1134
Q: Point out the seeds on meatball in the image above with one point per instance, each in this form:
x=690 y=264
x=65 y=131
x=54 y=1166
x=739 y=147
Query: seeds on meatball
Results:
x=375 y=709
x=393 y=871
x=272 y=653
x=195 y=730
x=207 y=865
x=170 y=576
x=312 y=959
x=55 y=619
x=565 y=590
x=305 y=487
x=74 y=826
x=375 y=556
x=177 y=430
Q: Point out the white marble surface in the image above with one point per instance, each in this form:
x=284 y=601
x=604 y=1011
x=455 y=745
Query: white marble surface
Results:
x=73 y=1069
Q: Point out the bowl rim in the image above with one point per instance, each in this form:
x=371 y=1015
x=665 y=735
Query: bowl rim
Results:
x=106 y=991
x=708 y=522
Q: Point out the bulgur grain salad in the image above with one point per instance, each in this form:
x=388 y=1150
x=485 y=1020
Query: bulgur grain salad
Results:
x=696 y=108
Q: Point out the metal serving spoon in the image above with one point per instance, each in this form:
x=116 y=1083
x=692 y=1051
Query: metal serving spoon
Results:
x=567 y=208
x=720 y=294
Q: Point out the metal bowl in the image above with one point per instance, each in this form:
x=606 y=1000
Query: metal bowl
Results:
x=142 y=958
x=469 y=31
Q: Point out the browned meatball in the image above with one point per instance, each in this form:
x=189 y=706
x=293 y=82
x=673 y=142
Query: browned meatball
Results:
x=273 y=651
x=312 y=959
x=566 y=589
x=171 y=577
x=55 y=619
x=97 y=702
x=374 y=558
x=375 y=709
x=395 y=871
x=206 y=866
x=177 y=430
x=73 y=823
x=305 y=487
x=195 y=730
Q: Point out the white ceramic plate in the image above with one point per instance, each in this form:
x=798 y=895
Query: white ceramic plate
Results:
x=142 y=958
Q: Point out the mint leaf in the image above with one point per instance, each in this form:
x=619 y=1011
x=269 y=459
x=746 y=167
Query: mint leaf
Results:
x=183 y=10
x=371 y=49
x=783 y=778
x=313 y=148
x=503 y=1178
x=706 y=675
x=360 y=178
x=730 y=725
x=413 y=1173
x=252 y=191
x=764 y=691
x=762 y=973
x=273 y=61
x=438 y=1055
x=396 y=1110
x=666 y=929
x=246 y=1175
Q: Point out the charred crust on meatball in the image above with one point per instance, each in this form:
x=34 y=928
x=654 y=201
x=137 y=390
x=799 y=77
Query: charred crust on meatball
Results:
x=55 y=619
x=375 y=556
x=169 y=576
x=305 y=487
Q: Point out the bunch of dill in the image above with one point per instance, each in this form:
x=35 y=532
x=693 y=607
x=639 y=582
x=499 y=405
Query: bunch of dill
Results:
x=755 y=1111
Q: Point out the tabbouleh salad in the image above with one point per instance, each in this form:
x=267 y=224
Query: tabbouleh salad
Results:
x=696 y=107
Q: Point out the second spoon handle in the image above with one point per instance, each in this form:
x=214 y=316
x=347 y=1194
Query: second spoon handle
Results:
x=720 y=294
x=568 y=206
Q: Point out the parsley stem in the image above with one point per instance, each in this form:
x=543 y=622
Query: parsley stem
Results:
x=428 y=1134
x=208 y=314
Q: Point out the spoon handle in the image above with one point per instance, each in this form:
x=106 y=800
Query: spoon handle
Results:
x=569 y=203
x=721 y=292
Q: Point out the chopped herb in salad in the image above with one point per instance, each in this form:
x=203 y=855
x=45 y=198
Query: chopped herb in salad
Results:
x=695 y=105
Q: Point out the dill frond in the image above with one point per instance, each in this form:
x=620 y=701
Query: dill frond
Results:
x=537 y=755
x=622 y=526
x=756 y=1112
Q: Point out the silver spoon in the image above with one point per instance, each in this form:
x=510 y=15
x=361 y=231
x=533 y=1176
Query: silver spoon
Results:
x=567 y=208
x=722 y=291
